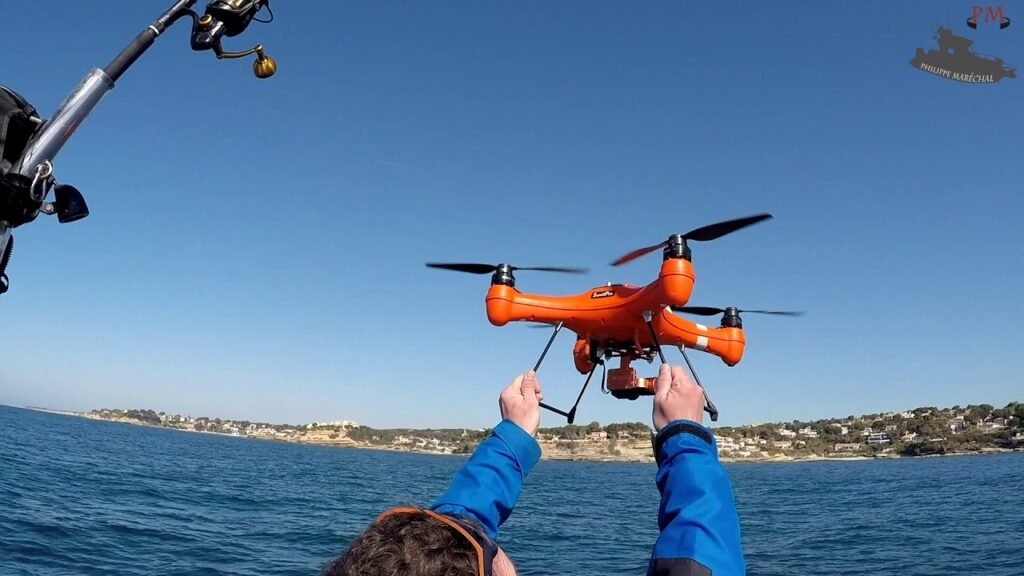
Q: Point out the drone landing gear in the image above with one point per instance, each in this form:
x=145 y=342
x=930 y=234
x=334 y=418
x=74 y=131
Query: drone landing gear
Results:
x=571 y=414
x=709 y=406
x=623 y=382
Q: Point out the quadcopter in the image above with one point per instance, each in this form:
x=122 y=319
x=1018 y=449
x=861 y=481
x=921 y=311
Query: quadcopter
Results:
x=624 y=321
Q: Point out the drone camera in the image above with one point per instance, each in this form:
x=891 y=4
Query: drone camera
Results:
x=623 y=383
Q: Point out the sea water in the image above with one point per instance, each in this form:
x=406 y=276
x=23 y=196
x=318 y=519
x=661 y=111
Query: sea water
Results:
x=87 y=497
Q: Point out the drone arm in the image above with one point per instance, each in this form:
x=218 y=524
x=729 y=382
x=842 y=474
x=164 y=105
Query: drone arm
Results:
x=506 y=304
x=673 y=286
x=500 y=304
x=697 y=519
x=728 y=343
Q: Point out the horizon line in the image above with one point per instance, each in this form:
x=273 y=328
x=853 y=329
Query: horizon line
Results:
x=583 y=425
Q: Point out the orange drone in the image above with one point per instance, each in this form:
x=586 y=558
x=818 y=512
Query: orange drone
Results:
x=624 y=321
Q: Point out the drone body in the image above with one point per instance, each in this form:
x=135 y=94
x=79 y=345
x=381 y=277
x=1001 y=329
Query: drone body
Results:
x=612 y=309
x=624 y=321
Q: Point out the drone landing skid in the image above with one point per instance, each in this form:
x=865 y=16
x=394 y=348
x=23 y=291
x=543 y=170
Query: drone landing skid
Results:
x=570 y=416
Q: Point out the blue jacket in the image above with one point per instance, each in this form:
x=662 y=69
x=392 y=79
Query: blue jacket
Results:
x=700 y=529
x=697 y=519
x=487 y=487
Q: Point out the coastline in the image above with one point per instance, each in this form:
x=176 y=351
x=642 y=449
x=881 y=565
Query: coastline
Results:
x=630 y=450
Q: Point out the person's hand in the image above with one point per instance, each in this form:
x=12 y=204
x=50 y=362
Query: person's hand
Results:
x=676 y=397
x=520 y=402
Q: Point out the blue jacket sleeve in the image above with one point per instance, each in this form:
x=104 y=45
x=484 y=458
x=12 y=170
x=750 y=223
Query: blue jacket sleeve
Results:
x=487 y=487
x=700 y=531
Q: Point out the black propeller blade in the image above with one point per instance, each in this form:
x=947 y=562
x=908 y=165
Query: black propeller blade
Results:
x=489 y=268
x=638 y=253
x=715 y=231
x=709 y=311
x=776 y=312
x=702 y=234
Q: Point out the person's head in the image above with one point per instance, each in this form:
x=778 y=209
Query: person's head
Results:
x=417 y=542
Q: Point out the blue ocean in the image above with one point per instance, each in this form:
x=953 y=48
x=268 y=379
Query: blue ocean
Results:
x=88 y=497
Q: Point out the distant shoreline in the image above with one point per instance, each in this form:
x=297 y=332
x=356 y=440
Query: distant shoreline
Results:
x=627 y=450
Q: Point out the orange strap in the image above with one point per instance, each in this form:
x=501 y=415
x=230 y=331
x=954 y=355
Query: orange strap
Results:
x=441 y=518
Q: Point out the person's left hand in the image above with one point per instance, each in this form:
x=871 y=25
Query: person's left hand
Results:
x=520 y=402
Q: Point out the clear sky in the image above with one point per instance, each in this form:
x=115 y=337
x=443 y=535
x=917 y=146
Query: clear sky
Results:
x=256 y=247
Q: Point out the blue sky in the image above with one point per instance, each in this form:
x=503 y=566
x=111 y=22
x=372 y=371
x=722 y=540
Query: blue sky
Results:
x=256 y=247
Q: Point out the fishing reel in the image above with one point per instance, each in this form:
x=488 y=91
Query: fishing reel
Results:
x=230 y=18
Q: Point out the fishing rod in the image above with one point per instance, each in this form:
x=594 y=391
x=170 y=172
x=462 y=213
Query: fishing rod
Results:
x=29 y=144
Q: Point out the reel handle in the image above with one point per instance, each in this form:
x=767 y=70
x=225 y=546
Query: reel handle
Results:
x=224 y=18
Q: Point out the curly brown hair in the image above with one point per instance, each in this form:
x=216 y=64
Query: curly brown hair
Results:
x=406 y=545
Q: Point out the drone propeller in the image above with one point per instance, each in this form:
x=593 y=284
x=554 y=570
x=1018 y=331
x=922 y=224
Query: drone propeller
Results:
x=702 y=234
x=489 y=268
x=709 y=311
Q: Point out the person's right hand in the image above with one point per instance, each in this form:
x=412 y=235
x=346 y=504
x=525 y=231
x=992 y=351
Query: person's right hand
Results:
x=676 y=397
